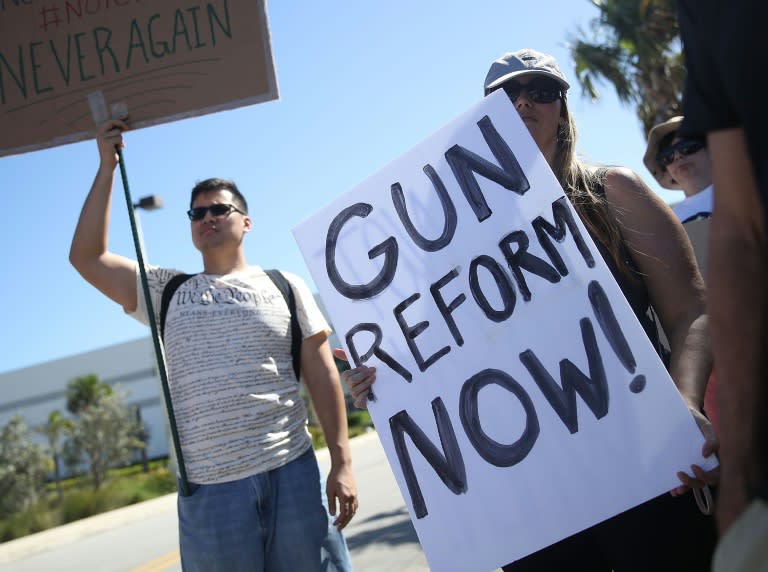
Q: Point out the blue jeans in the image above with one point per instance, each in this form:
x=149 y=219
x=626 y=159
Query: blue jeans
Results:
x=271 y=522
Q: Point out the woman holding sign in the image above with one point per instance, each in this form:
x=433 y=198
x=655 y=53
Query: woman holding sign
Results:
x=650 y=256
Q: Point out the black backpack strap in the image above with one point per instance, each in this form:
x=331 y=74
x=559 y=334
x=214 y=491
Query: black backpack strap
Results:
x=170 y=289
x=285 y=289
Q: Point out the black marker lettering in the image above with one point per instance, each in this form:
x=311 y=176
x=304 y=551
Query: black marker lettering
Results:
x=81 y=56
x=164 y=49
x=561 y=212
x=464 y=163
x=137 y=41
x=489 y=449
x=610 y=326
x=374 y=350
x=410 y=333
x=593 y=389
x=35 y=65
x=388 y=248
x=447 y=310
x=449 y=214
x=449 y=467
x=508 y=297
x=212 y=15
x=520 y=259
x=101 y=37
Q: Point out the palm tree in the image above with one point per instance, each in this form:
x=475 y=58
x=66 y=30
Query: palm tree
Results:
x=85 y=391
x=635 y=46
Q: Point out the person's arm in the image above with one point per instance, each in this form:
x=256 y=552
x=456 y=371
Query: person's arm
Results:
x=322 y=379
x=664 y=255
x=737 y=306
x=112 y=274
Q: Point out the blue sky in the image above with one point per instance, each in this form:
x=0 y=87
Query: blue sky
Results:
x=360 y=83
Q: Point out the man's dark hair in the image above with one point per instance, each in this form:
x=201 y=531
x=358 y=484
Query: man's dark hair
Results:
x=215 y=184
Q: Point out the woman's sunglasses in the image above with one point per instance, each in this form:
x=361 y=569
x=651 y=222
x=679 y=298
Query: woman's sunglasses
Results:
x=539 y=90
x=685 y=147
x=217 y=209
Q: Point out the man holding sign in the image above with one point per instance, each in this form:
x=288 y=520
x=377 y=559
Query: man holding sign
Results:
x=255 y=501
x=539 y=495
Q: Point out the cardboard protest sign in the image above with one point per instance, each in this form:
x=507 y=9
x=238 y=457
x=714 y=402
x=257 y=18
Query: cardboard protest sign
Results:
x=162 y=61
x=517 y=398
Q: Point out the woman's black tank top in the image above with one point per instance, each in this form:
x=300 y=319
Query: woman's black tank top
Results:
x=635 y=291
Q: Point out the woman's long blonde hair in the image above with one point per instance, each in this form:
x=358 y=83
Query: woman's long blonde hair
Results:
x=579 y=180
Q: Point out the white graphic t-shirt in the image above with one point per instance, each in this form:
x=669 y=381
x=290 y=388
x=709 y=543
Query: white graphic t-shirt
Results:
x=228 y=352
x=699 y=204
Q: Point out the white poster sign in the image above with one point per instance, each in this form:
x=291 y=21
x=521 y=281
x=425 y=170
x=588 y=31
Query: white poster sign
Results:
x=517 y=397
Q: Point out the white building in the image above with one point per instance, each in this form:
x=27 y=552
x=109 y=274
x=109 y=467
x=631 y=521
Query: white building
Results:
x=34 y=392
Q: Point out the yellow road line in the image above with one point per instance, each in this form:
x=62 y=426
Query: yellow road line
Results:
x=160 y=563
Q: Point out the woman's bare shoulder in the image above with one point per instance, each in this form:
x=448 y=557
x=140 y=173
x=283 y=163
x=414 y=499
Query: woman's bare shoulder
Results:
x=623 y=185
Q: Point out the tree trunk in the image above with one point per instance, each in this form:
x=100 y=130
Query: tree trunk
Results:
x=57 y=479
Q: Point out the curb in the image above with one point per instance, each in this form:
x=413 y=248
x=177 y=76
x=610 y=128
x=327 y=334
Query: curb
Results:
x=66 y=533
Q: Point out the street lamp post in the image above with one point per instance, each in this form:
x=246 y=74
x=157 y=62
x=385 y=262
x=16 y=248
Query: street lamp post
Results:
x=149 y=203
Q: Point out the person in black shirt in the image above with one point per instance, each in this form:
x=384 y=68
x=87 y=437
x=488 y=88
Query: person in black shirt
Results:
x=723 y=45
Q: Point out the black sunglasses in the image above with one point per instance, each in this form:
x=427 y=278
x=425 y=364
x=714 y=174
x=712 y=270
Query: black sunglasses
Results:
x=539 y=90
x=685 y=147
x=217 y=209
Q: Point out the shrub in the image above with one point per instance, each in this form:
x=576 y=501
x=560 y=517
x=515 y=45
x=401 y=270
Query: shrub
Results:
x=125 y=486
x=85 y=503
x=318 y=439
x=359 y=418
x=30 y=521
x=148 y=486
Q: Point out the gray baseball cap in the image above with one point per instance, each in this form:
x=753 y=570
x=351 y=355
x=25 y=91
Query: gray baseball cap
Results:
x=526 y=61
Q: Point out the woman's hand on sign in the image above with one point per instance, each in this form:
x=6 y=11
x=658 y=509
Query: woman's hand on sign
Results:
x=698 y=477
x=359 y=380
